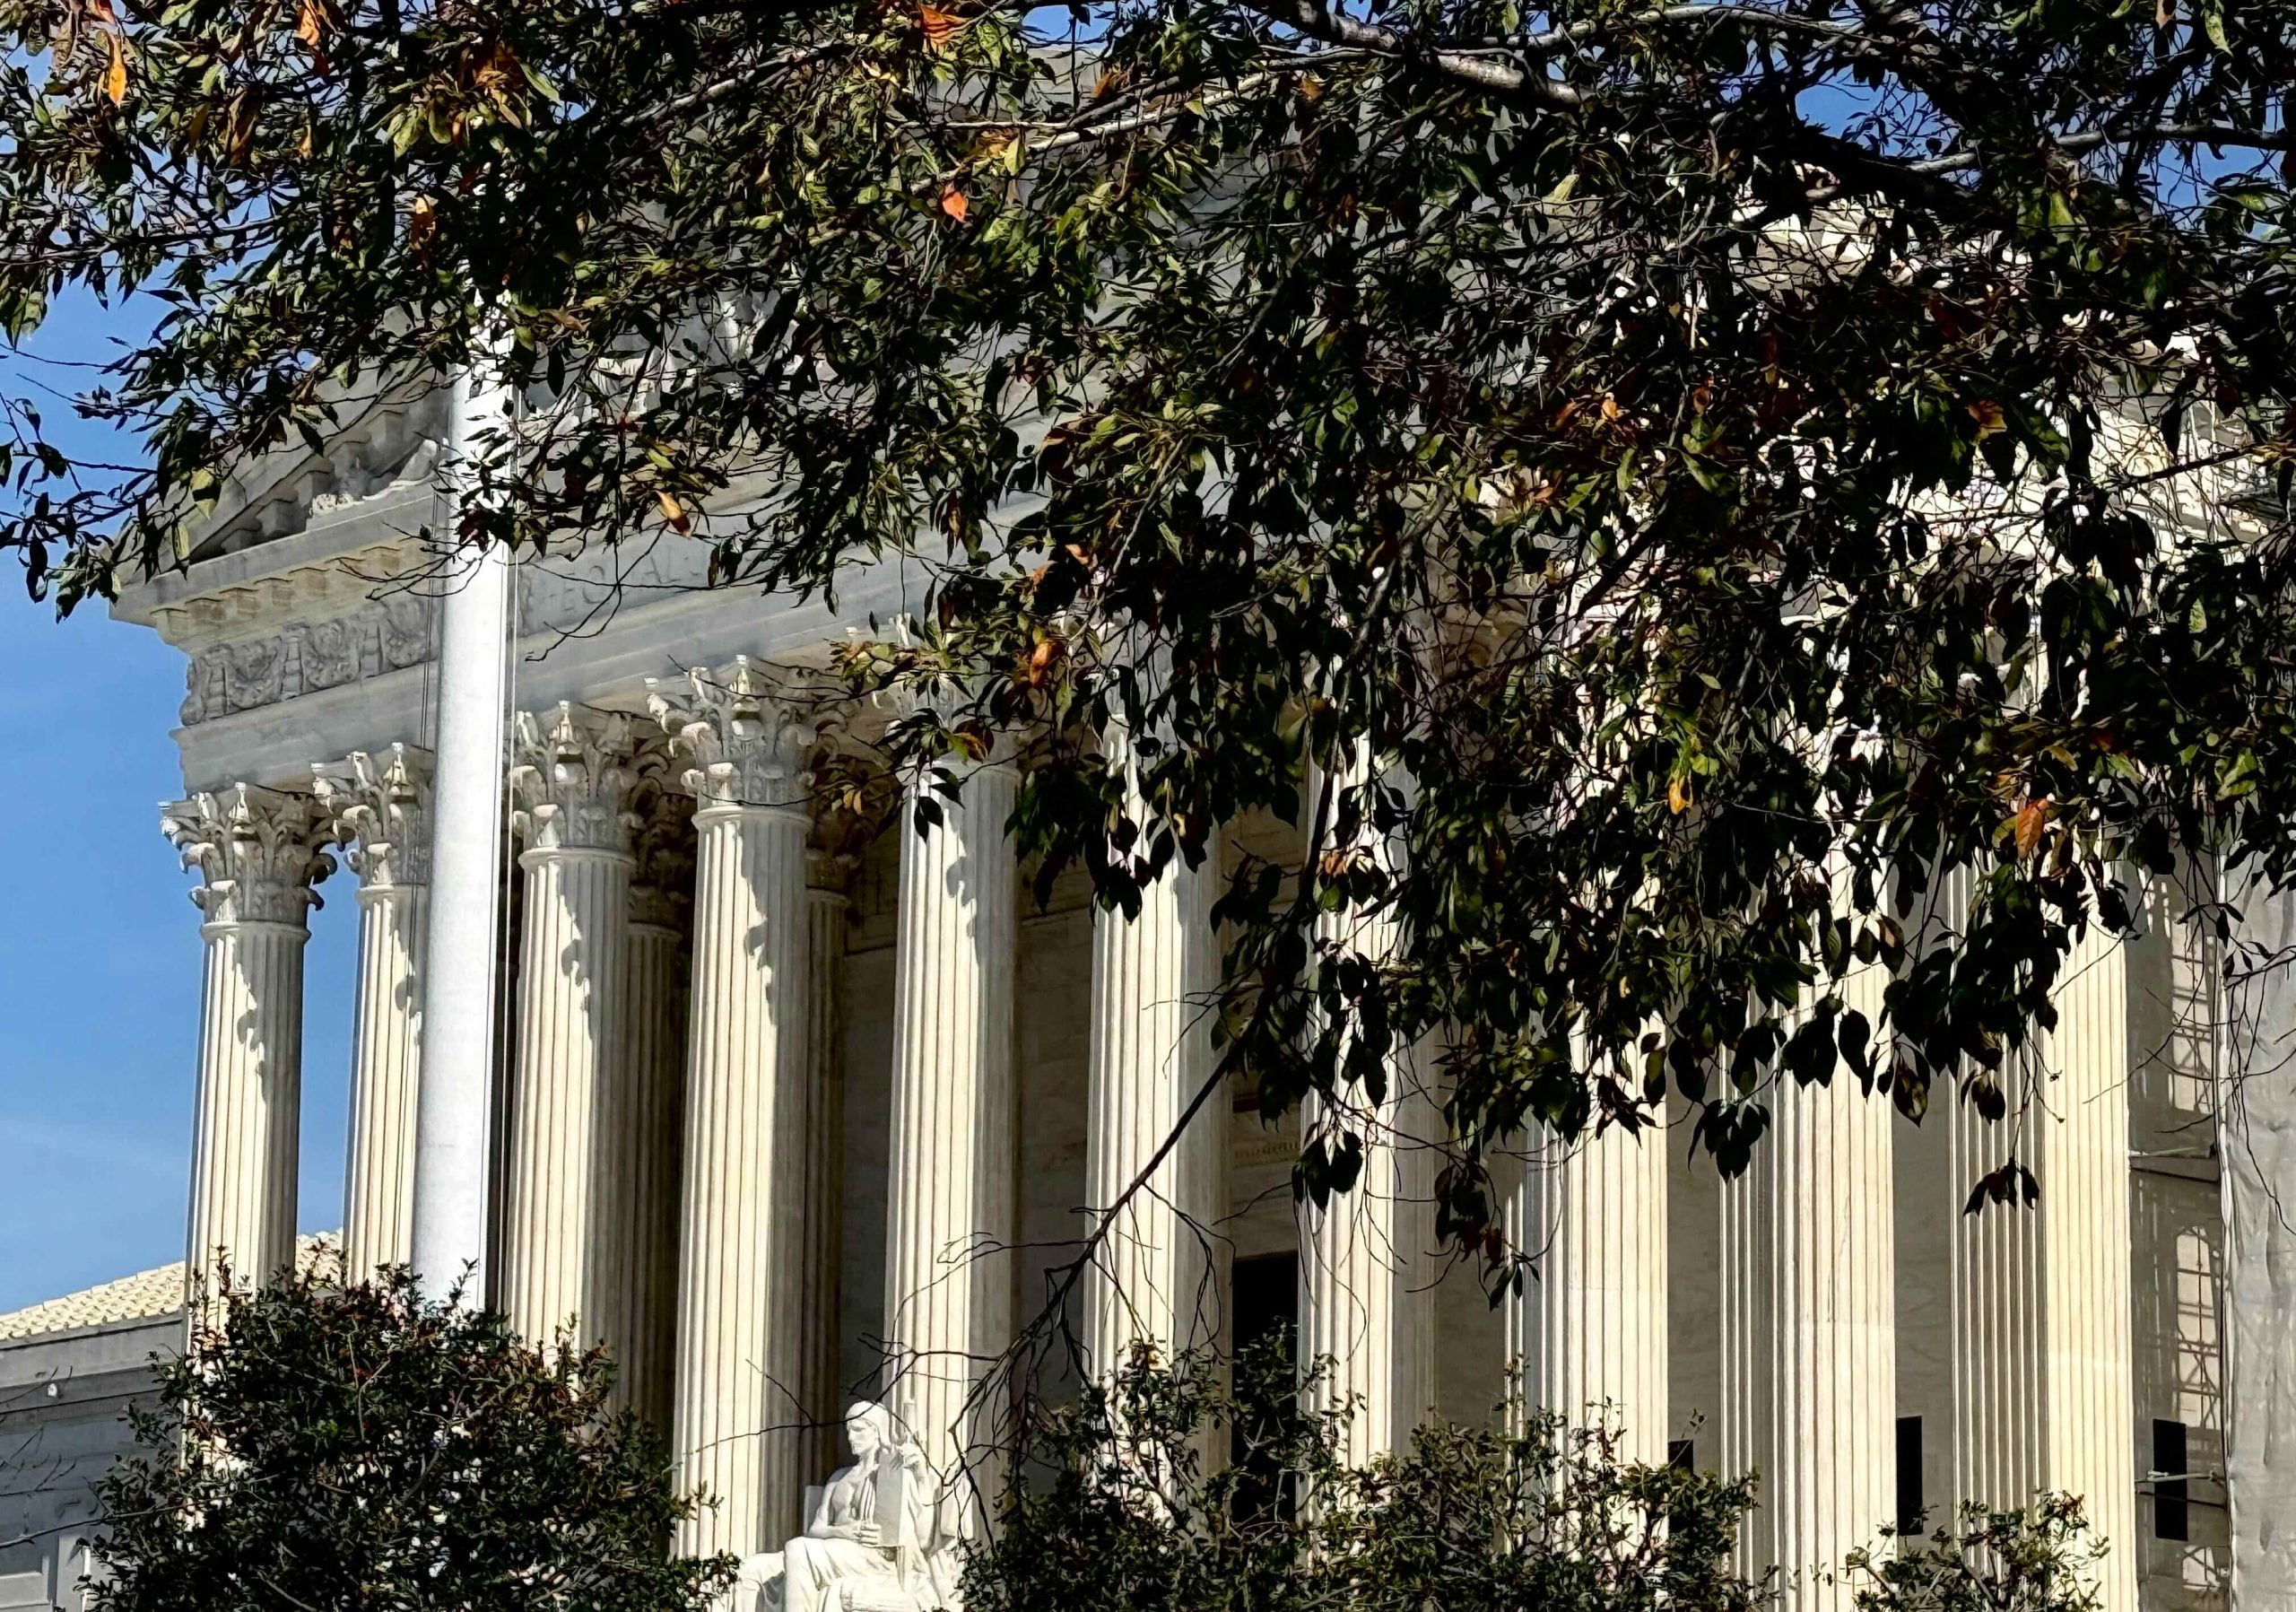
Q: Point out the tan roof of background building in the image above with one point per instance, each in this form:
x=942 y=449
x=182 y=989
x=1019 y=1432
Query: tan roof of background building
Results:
x=145 y=1294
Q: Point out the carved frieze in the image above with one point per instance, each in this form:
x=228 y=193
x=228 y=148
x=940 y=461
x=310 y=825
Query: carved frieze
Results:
x=389 y=634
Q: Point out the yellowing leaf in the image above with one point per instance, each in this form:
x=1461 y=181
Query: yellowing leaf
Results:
x=309 y=24
x=673 y=511
x=1990 y=420
x=954 y=203
x=115 y=70
x=1678 y=794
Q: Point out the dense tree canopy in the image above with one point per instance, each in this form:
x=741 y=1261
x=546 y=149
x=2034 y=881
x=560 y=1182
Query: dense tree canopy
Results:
x=1737 y=467
x=325 y=1449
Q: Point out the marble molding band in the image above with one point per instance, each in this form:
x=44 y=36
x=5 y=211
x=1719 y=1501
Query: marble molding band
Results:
x=258 y=851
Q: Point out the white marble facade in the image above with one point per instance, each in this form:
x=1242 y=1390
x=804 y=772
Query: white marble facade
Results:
x=789 y=1120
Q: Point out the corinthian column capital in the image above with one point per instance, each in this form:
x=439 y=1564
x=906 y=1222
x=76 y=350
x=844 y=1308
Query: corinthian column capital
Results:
x=745 y=732
x=258 y=852
x=572 y=777
x=379 y=805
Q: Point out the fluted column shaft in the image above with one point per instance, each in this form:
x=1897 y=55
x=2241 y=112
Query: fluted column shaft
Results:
x=649 y=1149
x=259 y=853
x=2044 y=1369
x=2041 y=1356
x=1809 y=1328
x=1589 y=1330
x=949 y=1224
x=378 y=1163
x=1365 y=1305
x=1150 y=1053
x=734 y=1429
x=564 y=1263
x=380 y=803
x=828 y=917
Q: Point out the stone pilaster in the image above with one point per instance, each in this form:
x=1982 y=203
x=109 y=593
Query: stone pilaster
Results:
x=563 y=1263
x=1589 y=1330
x=1809 y=1360
x=828 y=918
x=1153 y=973
x=1366 y=1305
x=2258 y=1147
x=380 y=806
x=257 y=852
x=950 y=1222
x=741 y=1323
x=661 y=904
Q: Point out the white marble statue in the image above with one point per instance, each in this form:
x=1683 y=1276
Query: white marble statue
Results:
x=871 y=1542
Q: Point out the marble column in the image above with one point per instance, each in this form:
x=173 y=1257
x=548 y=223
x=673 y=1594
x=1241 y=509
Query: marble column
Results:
x=563 y=1263
x=380 y=806
x=1809 y=1362
x=660 y=906
x=1366 y=1300
x=950 y=1220
x=828 y=920
x=734 y=1430
x=1154 y=1280
x=2043 y=1362
x=1589 y=1330
x=257 y=852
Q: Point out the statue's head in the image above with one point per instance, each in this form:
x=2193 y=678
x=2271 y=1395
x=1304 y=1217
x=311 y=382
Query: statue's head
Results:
x=868 y=1428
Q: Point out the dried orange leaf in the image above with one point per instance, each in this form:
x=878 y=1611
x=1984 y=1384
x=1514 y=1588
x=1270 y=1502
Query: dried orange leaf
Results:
x=953 y=203
x=115 y=70
x=673 y=511
x=309 y=24
x=421 y=224
x=938 y=24
x=2032 y=819
x=1678 y=794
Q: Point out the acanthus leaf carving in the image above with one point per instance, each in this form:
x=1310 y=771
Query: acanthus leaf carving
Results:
x=379 y=804
x=573 y=779
x=745 y=728
x=258 y=852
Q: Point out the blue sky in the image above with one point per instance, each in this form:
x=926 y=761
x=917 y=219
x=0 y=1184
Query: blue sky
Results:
x=100 y=949
x=99 y=961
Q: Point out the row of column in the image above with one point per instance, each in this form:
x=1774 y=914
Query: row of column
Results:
x=619 y=1089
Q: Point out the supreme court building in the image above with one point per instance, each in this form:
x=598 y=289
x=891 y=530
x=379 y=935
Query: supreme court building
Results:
x=790 y=1118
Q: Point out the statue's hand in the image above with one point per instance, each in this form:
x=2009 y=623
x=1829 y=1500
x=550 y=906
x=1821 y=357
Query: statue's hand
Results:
x=867 y=1533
